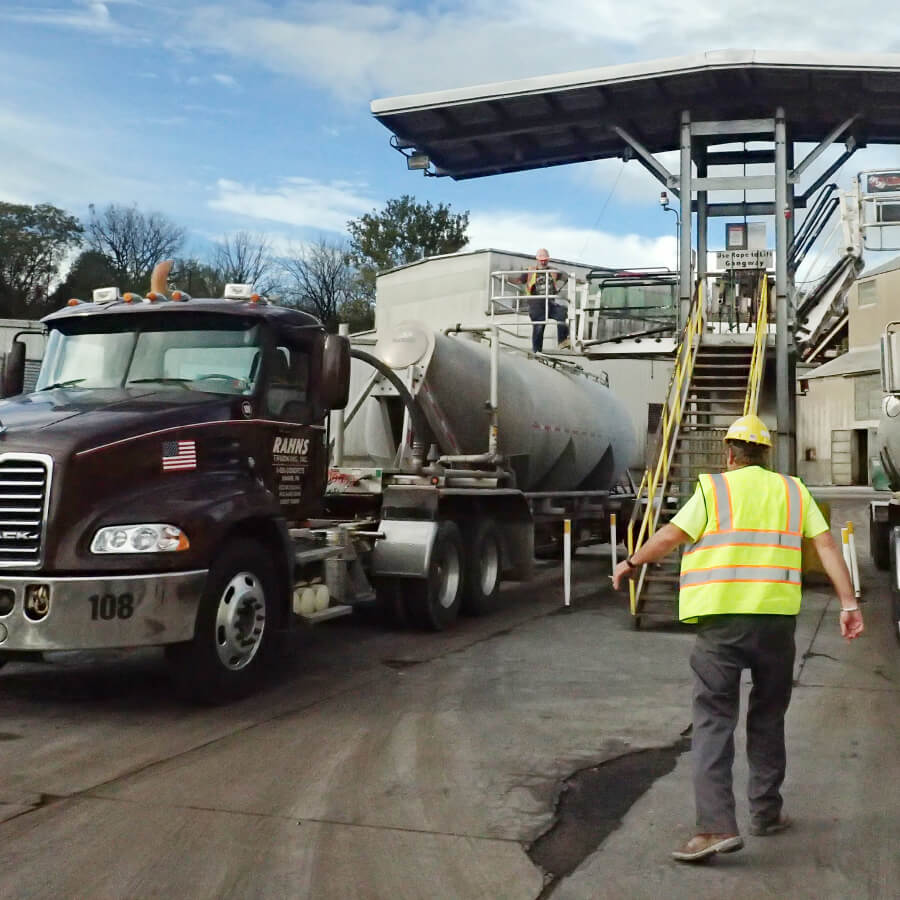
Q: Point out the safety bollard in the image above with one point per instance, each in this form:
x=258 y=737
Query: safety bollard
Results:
x=854 y=563
x=567 y=561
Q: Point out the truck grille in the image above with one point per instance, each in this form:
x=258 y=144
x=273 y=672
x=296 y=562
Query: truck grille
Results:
x=24 y=485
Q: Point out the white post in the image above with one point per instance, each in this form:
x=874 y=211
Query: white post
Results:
x=845 y=548
x=613 y=540
x=854 y=565
x=493 y=434
x=567 y=561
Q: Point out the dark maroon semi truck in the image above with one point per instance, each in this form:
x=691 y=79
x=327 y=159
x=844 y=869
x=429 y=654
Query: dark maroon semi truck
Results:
x=149 y=484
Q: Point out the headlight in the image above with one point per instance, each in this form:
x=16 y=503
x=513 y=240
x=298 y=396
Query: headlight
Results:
x=139 y=539
x=892 y=406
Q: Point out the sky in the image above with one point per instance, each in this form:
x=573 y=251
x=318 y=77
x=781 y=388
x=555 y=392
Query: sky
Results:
x=255 y=115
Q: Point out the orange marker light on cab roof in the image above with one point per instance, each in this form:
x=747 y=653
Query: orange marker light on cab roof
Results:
x=74 y=302
x=130 y=298
x=179 y=296
x=255 y=298
x=152 y=297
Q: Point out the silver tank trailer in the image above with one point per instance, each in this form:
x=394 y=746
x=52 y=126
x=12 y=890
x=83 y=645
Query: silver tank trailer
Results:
x=560 y=428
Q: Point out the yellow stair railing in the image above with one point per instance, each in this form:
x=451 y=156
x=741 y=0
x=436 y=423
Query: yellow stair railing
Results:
x=651 y=493
x=758 y=360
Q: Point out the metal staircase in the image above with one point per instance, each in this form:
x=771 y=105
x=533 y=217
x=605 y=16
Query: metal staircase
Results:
x=711 y=386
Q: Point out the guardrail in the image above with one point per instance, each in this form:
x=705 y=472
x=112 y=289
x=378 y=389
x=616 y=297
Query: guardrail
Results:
x=758 y=360
x=651 y=493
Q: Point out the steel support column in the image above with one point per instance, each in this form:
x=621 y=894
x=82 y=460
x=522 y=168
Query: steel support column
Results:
x=685 y=187
x=702 y=218
x=783 y=386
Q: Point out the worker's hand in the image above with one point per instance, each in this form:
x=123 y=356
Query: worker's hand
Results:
x=852 y=624
x=623 y=570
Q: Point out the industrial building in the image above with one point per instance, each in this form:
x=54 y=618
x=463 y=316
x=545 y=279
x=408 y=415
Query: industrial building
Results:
x=840 y=400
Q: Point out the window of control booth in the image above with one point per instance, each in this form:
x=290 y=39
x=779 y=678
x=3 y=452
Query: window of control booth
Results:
x=287 y=389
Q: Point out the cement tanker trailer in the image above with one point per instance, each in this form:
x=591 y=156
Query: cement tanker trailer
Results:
x=884 y=515
x=470 y=457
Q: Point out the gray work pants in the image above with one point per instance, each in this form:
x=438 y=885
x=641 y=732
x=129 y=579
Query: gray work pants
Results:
x=725 y=646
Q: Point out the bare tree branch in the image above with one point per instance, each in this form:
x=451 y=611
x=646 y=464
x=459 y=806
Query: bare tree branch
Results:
x=320 y=279
x=133 y=241
x=244 y=258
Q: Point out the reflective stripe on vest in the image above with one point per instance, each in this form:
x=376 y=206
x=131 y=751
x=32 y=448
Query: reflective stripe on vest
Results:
x=533 y=277
x=722 y=574
x=748 y=558
x=739 y=538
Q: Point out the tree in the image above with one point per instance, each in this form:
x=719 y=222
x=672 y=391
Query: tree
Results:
x=243 y=258
x=403 y=232
x=34 y=241
x=90 y=270
x=320 y=279
x=133 y=241
x=198 y=278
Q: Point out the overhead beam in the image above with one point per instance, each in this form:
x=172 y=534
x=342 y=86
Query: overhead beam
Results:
x=732 y=128
x=822 y=146
x=736 y=183
x=740 y=157
x=658 y=169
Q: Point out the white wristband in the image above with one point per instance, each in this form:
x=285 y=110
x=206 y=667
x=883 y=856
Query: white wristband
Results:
x=849 y=609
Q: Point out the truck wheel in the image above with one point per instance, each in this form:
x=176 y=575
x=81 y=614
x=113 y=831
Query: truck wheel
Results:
x=483 y=570
x=879 y=542
x=236 y=625
x=434 y=601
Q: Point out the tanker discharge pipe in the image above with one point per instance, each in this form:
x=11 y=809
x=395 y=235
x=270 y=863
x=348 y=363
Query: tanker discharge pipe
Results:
x=422 y=434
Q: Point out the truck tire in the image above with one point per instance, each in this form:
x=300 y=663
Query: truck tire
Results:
x=434 y=602
x=483 y=570
x=879 y=541
x=237 y=621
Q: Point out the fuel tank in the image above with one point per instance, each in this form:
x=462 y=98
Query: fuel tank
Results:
x=560 y=428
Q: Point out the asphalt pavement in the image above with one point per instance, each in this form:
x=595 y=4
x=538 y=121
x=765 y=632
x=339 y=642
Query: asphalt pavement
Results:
x=535 y=752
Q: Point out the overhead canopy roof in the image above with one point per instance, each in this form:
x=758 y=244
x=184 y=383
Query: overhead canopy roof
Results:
x=557 y=119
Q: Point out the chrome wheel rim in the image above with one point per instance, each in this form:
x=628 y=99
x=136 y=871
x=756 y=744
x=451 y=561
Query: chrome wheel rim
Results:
x=490 y=567
x=449 y=575
x=240 y=621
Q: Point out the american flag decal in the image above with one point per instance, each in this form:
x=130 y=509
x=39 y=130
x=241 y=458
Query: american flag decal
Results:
x=179 y=455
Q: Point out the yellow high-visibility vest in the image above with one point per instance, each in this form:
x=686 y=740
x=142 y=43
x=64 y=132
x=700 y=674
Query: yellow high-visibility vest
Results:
x=748 y=558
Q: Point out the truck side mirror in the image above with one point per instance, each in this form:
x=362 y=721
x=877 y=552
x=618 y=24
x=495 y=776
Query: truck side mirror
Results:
x=335 y=383
x=14 y=370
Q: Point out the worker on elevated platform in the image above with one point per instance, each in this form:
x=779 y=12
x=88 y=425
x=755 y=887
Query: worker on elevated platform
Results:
x=741 y=584
x=542 y=284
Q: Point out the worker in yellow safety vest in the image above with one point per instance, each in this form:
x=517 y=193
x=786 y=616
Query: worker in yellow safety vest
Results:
x=740 y=582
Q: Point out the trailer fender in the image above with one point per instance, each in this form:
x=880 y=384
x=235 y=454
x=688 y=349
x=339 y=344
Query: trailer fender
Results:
x=405 y=549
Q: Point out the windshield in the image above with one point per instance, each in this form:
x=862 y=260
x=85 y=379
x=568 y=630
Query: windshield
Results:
x=220 y=360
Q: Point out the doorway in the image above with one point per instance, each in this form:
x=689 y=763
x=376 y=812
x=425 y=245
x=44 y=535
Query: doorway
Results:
x=860 y=456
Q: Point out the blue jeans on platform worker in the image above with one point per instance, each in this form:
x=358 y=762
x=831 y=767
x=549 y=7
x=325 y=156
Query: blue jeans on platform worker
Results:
x=536 y=311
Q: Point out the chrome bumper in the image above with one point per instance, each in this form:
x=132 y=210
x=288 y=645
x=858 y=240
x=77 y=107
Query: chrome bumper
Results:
x=94 y=613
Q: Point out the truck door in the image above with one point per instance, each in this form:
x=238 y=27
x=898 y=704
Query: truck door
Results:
x=295 y=444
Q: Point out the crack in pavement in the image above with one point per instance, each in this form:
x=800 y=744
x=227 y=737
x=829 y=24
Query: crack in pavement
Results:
x=592 y=804
x=301 y=820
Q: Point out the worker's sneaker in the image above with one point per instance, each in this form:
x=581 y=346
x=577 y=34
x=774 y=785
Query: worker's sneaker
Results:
x=564 y=345
x=702 y=846
x=764 y=829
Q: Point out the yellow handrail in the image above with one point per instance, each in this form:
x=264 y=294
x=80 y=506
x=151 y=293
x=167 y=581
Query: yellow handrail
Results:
x=655 y=481
x=758 y=360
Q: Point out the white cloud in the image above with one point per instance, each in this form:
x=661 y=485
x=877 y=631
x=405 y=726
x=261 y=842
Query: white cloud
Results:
x=86 y=15
x=524 y=233
x=359 y=49
x=301 y=202
x=227 y=80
